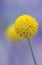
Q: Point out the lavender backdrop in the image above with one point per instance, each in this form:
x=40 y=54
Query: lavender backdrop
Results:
x=19 y=54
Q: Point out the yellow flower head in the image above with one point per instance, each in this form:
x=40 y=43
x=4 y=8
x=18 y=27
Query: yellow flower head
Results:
x=25 y=27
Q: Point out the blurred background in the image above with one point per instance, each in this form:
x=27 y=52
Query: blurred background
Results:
x=9 y=11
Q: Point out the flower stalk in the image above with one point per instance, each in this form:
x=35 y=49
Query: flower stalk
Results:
x=34 y=59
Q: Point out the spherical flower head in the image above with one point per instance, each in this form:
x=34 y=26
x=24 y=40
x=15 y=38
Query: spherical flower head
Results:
x=11 y=33
x=25 y=26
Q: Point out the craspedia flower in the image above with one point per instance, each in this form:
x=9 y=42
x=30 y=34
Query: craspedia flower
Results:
x=11 y=33
x=25 y=26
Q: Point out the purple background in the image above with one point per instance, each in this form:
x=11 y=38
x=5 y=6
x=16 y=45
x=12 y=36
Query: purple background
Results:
x=20 y=54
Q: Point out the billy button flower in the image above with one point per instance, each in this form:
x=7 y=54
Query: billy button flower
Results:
x=25 y=26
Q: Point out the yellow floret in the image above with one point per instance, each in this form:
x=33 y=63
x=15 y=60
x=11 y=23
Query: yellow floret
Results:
x=25 y=27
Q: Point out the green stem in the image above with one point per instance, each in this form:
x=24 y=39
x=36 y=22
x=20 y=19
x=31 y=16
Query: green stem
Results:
x=32 y=52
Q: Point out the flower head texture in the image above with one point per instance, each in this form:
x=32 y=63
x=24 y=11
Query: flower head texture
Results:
x=25 y=26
